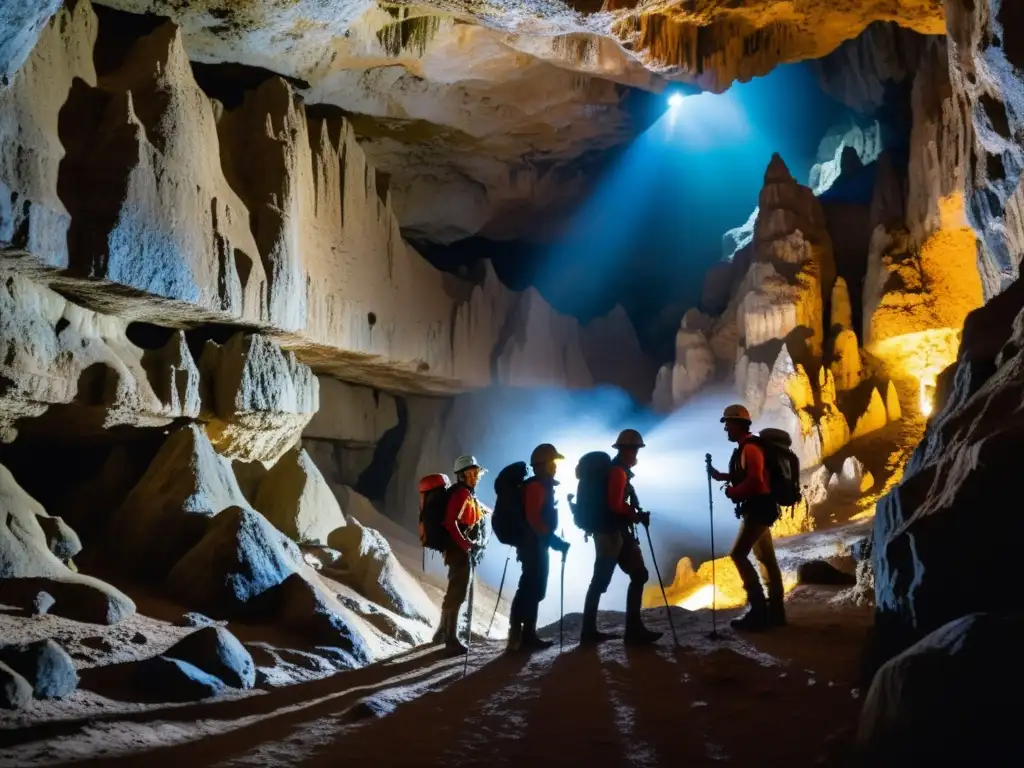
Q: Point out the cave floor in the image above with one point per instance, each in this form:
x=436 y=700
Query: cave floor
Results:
x=788 y=697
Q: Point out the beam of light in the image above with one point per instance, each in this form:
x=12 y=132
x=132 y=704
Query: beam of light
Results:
x=675 y=100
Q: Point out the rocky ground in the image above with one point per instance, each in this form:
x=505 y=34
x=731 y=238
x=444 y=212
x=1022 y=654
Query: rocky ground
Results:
x=732 y=699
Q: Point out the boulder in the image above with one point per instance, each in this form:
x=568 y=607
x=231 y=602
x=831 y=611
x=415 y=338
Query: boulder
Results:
x=42 y=603
x=15 y=690
x=376 y=573
x=217 y=652
x=62 y=541
x=257 y=397
x=949 y=698
x=310 y=609
x=165 y=679
x=45 y=665
x=166 y=513
x=823 y=572
x=28 y=567
x=239 y=559
x=193 y=619
x=295 y=497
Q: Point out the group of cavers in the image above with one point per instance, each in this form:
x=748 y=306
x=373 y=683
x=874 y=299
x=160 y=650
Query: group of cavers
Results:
x=763 y=475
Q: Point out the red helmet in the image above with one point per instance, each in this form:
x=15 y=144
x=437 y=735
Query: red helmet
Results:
x=430 y=482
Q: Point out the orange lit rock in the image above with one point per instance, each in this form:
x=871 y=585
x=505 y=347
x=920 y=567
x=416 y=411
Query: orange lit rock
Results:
x=693 y=589
x=875 y=416
x=892 y=403
x=922 y=298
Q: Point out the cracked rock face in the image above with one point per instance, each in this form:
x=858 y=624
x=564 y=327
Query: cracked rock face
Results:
x=488 y=113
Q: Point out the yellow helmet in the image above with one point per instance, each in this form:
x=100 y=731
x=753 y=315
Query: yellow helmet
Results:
x=736 y=412
x=543 y=453
x=629 y=438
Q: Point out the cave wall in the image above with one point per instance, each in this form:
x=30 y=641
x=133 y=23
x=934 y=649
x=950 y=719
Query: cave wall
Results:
x=944 y=538
x=124 y=186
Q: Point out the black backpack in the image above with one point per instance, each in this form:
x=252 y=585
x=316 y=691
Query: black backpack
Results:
x=433 y=534
x=590 y=510
x=782 y=464
x=509 y=518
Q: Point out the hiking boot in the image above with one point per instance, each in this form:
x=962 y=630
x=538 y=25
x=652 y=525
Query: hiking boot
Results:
x=776 y=613
x=641 y=636
x=754 y=620
x=515 y=639
x=595 y=637
x=533 y=643
x=453 y=647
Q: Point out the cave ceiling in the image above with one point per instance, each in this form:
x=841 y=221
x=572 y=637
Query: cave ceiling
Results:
x=492 y=118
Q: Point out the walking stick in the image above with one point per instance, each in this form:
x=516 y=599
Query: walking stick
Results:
x=500 y=587
x=469 y=624
x=668 y=610
x=561 y=607
x=714 y=584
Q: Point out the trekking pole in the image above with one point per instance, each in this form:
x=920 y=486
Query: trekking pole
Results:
x=469 y=623
x=668 y=610
x=714 y=584
x=561 y=605
x=500 y=587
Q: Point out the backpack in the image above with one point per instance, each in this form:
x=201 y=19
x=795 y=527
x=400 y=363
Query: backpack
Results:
x=782 y=464
x=508 y=521
x=590 y=510
x=433 y=534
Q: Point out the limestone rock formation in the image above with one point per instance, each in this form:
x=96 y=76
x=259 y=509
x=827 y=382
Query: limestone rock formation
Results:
x=294 y=496
x=694 y=363
x=239 y=559
x=875 y=416
x=376 y=573
x=308 y=250
x=28 y=567
x=985 y=60
x=55 y=352
x=15 y=690
x=793 y=262
x=844 y=144
x=166 y=513
x=356 y=416
x=260 y=397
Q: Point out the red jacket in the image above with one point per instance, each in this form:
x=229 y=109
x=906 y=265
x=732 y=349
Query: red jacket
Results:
x=463 y=511
x=617 y=482
x=755 y=480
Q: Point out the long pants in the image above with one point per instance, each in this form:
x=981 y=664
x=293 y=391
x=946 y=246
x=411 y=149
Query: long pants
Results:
x=757 y=537
x=458 y=579
x=621 y=549
x=535 y=558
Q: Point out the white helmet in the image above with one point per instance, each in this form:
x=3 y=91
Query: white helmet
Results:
x=467 y=461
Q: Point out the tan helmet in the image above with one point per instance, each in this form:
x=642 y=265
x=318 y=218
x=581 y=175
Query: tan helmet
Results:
x=544 y=453
x=629 y=438
x=736 y=412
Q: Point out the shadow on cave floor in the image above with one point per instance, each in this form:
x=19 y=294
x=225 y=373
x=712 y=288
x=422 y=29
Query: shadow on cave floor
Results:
x=734 y=698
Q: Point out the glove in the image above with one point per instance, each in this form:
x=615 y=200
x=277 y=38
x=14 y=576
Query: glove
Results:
x=644 y=518
x=559 y=544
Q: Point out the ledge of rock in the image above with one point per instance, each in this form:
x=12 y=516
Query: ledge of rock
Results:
x=308 y=250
